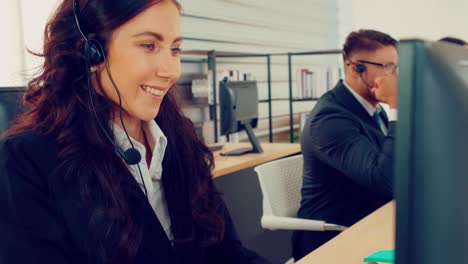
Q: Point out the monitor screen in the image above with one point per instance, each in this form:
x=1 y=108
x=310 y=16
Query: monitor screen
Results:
x=431 y=181
x=238 y=102
x=10 y=105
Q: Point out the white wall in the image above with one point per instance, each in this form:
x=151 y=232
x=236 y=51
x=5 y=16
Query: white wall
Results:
x=22 y=25
x=11 y=45
x=261 y=25
x=264 y=26
x=34 y=16
x=428 y=19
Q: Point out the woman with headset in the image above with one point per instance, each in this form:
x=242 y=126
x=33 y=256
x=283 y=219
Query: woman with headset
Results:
x=104 y=167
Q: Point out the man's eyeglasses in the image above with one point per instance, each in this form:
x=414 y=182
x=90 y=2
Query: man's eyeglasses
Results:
x=389 y=68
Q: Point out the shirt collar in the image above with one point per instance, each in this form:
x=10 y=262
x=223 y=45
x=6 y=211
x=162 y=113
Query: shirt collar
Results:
x=156 y=140
x=370 y=109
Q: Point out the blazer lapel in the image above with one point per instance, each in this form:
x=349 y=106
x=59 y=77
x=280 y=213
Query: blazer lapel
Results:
x=154 y=247
x=347 y=100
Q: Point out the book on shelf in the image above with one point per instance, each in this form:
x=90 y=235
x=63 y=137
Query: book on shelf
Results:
x=334 y=74
x=200 y=89
x=303 y=120
x=198 y=92
x=202 y=86
x=313 y=82
x=232 y=75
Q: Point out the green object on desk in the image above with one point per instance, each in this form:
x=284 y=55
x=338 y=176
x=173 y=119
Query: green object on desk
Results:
x=382 y=256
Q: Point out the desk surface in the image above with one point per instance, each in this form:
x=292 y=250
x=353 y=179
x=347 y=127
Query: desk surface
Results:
x=374 y=232
x=271 y=151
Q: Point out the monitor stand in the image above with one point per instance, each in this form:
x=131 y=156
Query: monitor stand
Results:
x=256 y=148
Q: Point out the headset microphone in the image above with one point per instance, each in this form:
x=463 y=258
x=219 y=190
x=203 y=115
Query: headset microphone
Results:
x=94 y=54
x=131 y=156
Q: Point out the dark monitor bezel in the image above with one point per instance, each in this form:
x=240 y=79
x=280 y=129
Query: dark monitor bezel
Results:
x=429 y=90
x=236 y=123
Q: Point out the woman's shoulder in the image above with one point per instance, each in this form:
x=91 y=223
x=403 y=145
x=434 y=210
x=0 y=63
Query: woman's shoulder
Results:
x=29 y=140
x=30 y=147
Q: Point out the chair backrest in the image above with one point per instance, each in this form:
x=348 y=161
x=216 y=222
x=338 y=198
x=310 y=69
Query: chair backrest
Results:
x=281 y=183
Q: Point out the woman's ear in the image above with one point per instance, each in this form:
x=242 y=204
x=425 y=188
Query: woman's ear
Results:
x=97 y=68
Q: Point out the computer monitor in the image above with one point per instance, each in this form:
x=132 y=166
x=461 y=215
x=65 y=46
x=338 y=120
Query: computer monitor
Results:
x=10 y=105
x=432 y=154
x=238 y=102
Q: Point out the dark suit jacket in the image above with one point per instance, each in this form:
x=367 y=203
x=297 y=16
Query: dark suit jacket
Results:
x=42 y=221
x=348 y=161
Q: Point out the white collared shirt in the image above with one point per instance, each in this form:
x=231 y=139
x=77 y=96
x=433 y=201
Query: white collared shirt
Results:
x=152 y=175
x=392 y=113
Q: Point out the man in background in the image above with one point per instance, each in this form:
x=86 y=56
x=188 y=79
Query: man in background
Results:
x=456 y=41
x=348 y=140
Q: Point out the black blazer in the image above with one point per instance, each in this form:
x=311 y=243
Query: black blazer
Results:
x=42 y=221
x=348 y=161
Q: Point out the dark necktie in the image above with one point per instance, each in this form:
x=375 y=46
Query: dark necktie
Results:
x=376 y=117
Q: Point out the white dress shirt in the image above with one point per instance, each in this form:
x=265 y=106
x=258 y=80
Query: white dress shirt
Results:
x=392 y=113
x=152 y=175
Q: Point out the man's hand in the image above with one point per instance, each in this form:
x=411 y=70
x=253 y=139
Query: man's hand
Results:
x=385 y=90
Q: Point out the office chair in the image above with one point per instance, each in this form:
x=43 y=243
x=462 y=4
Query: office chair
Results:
x=281 y=183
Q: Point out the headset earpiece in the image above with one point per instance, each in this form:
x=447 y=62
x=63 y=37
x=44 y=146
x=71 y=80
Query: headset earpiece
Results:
x=94 y=52
x=359 y=68
x=95 y=55
x=92 y=49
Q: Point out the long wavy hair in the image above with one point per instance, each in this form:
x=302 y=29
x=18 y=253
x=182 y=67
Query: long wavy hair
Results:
x=59 y=106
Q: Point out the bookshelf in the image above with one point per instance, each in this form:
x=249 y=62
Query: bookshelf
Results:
x=290 y=80
x=304 y=99
x=211 y=57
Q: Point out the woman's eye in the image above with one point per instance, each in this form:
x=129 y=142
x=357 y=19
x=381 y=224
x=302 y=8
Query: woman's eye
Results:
x=176 y=50
x=148 y=46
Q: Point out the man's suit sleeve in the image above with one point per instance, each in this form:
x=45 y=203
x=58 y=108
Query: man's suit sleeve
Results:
x=339 y=142
x=30 y=227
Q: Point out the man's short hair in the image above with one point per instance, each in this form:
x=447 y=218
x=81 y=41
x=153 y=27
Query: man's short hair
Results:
x=453 y=40
x=366 y=40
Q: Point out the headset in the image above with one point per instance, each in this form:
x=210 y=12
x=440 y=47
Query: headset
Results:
x=95 y=54
x=360 y=68
x=93 y=48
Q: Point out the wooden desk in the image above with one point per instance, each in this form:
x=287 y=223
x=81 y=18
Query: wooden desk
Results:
x=271 y=151
x=374 y=232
